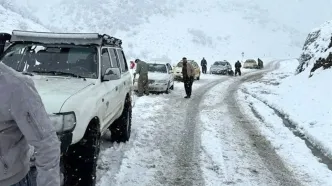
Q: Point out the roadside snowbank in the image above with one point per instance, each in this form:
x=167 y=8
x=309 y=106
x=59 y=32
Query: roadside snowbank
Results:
x=293 y=150
x=304 y=101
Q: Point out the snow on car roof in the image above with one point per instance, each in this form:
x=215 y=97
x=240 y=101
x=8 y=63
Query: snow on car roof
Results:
x=64 y=38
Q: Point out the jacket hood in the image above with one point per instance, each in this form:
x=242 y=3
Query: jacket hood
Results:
x=54 y=91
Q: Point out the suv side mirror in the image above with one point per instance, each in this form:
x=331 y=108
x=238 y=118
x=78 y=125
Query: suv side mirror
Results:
x=112 y=74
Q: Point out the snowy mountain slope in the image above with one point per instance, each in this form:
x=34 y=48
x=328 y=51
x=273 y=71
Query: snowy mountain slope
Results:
x=10 y=20
x=194 y=28
x=318 y=45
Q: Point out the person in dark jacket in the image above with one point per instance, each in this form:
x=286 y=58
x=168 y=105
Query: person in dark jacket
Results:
x=142 y=69
x=204 y=65
x=238 y=68
x=24 y=122
x=188 y=73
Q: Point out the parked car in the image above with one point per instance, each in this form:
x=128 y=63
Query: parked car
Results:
x=85 y=85
x=178 y=70
x=250 y=63
x=160 y=77
x=221 y=67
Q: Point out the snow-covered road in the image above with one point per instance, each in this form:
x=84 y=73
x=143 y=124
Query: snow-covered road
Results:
x=206 y=140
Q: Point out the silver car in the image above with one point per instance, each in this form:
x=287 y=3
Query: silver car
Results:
x=221 y=67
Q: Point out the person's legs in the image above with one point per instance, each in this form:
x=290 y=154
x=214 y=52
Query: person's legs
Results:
x=140 y=86
x=146 y=84
x=190 y=85
x=186 y=83
x=240 y=72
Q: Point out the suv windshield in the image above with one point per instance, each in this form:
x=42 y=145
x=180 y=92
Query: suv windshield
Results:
x=53 y=60
x=161 y=68
x=220 y=63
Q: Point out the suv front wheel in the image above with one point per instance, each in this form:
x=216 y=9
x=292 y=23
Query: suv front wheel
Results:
x=121 y=128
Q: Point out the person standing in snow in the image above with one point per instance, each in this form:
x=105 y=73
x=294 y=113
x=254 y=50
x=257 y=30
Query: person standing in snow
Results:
x=142 y=68
x=24 y=122
x=188 y=73
x=238 y=68
x=204 y=65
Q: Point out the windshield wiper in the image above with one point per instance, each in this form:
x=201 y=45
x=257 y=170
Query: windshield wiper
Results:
x=58 y=73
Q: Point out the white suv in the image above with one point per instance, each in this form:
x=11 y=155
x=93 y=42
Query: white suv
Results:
x=85 y=85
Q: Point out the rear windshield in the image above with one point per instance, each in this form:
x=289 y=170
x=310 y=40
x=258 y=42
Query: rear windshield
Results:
x=161 y=68
x=180 y=64
x=43 y=59
x=250 y=61
x=220 y=63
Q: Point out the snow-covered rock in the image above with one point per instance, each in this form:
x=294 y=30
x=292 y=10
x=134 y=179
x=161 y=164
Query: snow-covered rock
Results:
x=316 y=49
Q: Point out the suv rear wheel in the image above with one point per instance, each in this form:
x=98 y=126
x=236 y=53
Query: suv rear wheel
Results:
x=121 y=128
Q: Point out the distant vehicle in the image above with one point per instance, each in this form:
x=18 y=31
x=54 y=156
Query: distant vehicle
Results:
x=160 y=77
x=250 y=63
x=221 y=67
x=178 y=70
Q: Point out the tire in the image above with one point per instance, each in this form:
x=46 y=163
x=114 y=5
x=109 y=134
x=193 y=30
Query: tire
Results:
x=172 y=87
x=168 y=88
x=198 y=77
x=80 y=162
x=121 y=128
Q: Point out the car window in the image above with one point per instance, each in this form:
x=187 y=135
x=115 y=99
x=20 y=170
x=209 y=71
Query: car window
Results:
x=44 y=59
x=220 y=63
x=114 y=58
x=169 y=67
x=161 y=68
x=105 y=61
x=123 y=62
x=180 y=64
x=194 y=64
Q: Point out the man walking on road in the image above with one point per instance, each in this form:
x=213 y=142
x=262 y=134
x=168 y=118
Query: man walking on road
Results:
x=238 y=68
x=188 y=73
x=142 y=69
x=204 y=65
x=23 y=121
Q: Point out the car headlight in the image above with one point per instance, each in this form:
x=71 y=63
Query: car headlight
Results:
x=63 y=121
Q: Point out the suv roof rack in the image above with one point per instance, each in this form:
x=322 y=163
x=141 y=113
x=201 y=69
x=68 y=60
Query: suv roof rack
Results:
x=65 y=38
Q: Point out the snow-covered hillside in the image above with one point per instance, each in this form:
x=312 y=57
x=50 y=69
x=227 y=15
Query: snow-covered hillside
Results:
x=194 y=28
x=10 y=20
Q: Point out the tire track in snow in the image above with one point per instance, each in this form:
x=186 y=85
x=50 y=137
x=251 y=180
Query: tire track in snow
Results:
x=188 y=166
x=259 y=142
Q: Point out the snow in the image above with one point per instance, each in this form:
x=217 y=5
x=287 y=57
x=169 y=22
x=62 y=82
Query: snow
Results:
x=316 y=46
x=169 y=30
x=10 y=21
x=225 y=158
x=304 y=102
x=146 y=159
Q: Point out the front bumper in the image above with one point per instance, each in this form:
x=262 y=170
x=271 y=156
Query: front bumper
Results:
x=219 y=71
x=65 y=139
x=153 y=87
